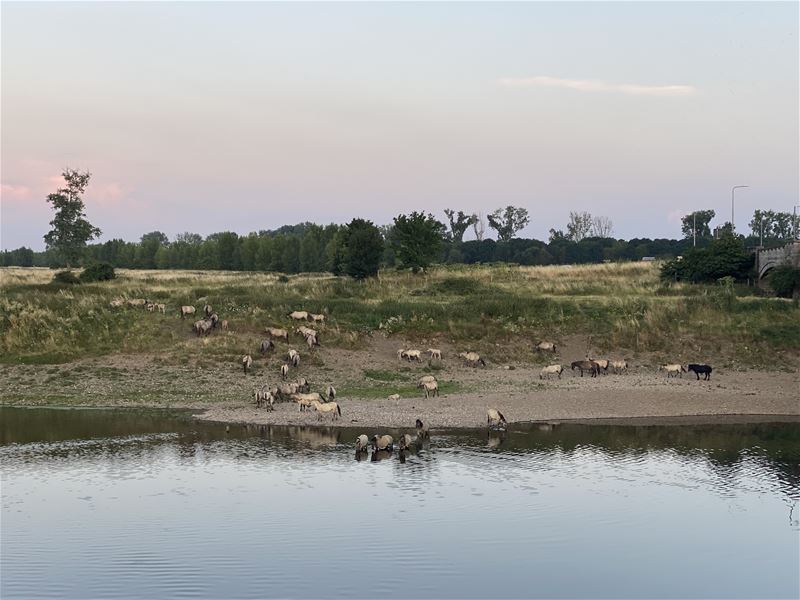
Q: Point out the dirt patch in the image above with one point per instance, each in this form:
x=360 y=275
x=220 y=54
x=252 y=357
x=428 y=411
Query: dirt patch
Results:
x=366 y=377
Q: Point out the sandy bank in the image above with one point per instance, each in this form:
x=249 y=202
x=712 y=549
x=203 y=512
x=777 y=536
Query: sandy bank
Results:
x=647 y=397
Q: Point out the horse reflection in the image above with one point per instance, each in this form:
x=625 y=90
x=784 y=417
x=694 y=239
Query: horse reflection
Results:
x=380 y=455
x=495 y=439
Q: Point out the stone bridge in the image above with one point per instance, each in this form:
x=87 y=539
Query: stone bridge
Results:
x=785 y=255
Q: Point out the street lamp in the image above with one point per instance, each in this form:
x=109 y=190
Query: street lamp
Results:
x=733 y=191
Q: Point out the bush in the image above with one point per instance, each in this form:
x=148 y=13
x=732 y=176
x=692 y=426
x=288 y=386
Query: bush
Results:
x=98 y=272
x=725 y=257
x=785 y=280
x=66 y=277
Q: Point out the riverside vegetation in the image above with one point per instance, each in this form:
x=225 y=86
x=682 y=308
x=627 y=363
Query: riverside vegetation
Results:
x=501 y=311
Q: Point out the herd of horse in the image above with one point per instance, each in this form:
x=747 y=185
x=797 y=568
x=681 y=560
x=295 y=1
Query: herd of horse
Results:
x=673 y=370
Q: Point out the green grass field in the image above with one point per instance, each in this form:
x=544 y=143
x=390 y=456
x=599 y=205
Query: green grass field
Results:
x=620 y=307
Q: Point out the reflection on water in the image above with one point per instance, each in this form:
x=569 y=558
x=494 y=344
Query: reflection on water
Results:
x=149 y=504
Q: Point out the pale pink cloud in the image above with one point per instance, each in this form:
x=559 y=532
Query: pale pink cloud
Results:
x=12 y=192
x=106 y=193
x=675 y=216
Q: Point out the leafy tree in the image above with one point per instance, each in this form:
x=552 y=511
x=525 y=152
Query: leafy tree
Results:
x=70 y=229
x=334 y=252
x=227 y=249
x=417 y=240
x=725 y=257
x=148 y=248
x=291 y=254
x=22 y=257
x=697 y=223
x=163 y=258
x=186 y=237
x=361 y=249
x=724 y=230
x=776 y=225
x=263 y=259
x=459 y=223
x=247 y=252
x=310 y=250
x=508 y=222
x=208 y=255
x=579 y=225
x=785 y=280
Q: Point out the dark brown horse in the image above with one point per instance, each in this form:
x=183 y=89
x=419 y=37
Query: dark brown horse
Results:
x=586 y=365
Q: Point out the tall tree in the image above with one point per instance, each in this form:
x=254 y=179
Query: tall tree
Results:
x=579 y=225
x=507 y=222
x=459 y=223
x=311 y=250
x=362 y=249
x=479 y=227
x=227 y=250
x=602 y=227
x=148 y=248
x=70 y=229
x=189 y=238
x=776 y=225
x=697 y=223
x=417 y=240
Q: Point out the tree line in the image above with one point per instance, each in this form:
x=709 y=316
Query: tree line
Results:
x=413 y=241
x=308 y=247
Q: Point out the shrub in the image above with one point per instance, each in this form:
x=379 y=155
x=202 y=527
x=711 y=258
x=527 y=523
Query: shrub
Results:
x=725 y=257
x=98 y=272
x=66 y=277
x=785 y=280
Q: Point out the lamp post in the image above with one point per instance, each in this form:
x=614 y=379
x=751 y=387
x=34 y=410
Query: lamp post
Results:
x=761 y=232
x=733 y=192
x=694 y=229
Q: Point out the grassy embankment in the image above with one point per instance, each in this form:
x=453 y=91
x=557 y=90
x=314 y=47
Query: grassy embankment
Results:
x=499 y=311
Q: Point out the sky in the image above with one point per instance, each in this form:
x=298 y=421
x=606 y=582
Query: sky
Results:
x=208 y=117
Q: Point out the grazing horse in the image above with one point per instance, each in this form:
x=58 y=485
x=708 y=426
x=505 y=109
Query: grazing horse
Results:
x=327 y=407
x=383 y=442
x=673 y=370
x=586 y=365
x=362 y=443
x=700 y=370
x=495 y=419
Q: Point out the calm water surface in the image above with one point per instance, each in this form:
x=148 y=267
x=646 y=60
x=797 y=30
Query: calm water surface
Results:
x=134 y=504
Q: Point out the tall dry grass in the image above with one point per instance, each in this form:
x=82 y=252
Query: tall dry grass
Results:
x=502 y=307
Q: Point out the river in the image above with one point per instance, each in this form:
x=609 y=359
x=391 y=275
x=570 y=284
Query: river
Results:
x=152 y=504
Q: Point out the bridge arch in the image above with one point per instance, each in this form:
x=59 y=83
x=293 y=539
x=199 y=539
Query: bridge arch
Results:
x=766 y=260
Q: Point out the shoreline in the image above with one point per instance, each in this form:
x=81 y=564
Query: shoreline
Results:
x=468 y=411
x=208 y=415
x=367 y=377
x=660 y=421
